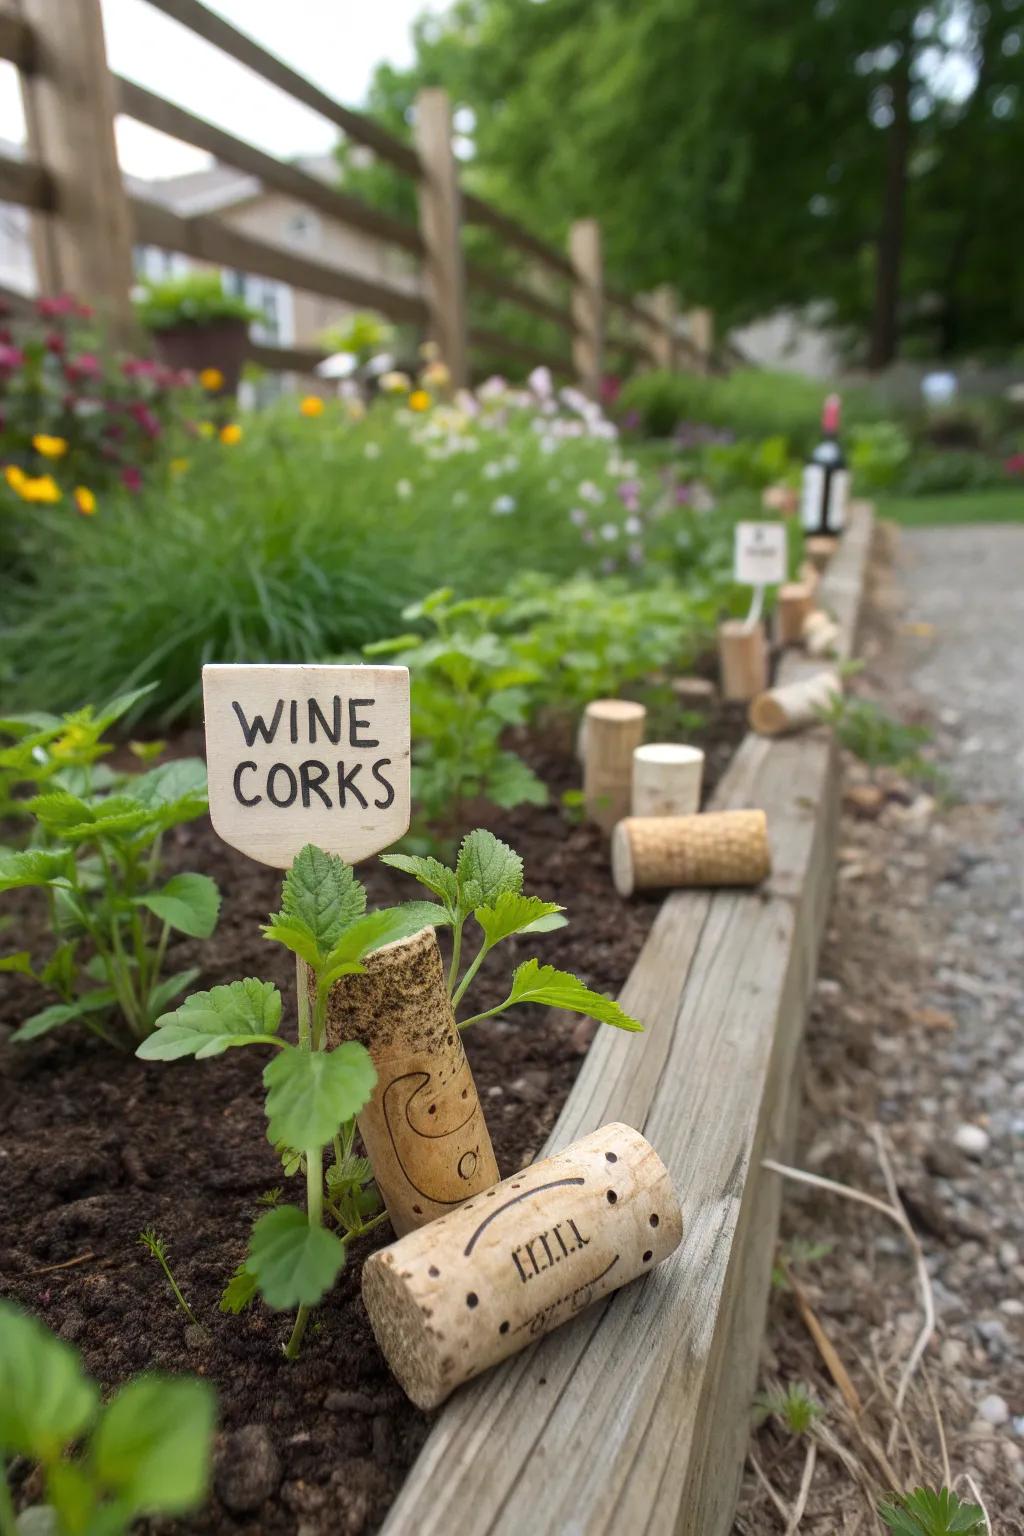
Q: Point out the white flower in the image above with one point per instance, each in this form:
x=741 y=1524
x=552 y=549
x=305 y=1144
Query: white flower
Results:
x=492 y=470
x=540 y=382
x=372 y=450
x=503 y=505
x=609 y=532
x=492 y=388
x=404 y=489
x=511 y=464
x=578 y=516
x=633 y=526
x=588 y=491
x=547 y=445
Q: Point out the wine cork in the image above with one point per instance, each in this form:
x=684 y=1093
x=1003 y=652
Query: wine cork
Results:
x=820 y=633
x=612 y=729
x=819 y=549
x=423 y=1129
x=452 y=1299
x=666 y=779
x=795 y=706
x=694 y=692
x=743 y=659
x=720 y=848
x=796 y=600
x=809 y=576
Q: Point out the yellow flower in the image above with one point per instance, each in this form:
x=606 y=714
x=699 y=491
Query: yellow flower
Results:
x=49 y=447
x=178 y=466
x=72 y=741
x=395 y=383
x=211 y=379
x=311 y=405
x=85 y=501
x=430 y=351
x=231 y=434
x=15 y=477
x=39 y=488
x=419 y=400
x=206 y=429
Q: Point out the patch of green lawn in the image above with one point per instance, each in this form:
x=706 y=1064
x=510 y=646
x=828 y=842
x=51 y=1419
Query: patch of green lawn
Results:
x=955 y=507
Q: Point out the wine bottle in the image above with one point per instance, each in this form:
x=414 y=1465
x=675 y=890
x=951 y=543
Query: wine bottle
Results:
x=826 y=483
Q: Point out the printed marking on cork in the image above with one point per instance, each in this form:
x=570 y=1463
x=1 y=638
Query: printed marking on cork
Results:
x=455 y=1297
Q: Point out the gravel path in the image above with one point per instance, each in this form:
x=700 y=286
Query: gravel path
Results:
x=917 y=1026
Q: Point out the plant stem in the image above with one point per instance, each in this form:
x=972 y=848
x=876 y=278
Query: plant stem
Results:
x=453 y=969
x=182 y=1303
x=488 y=1015
x=314 y=1211
x=302 y=1003
x=471 y=971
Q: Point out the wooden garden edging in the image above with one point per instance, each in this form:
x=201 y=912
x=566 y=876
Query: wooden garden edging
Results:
x=634 y=1417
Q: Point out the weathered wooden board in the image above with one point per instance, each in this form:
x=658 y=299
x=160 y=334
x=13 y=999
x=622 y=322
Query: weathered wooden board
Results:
x=634 y=1417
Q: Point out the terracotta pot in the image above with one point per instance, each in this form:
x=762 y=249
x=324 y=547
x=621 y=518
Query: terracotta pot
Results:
x=221 y=344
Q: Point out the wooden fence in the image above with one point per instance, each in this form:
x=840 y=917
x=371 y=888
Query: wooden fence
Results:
x=86 y=222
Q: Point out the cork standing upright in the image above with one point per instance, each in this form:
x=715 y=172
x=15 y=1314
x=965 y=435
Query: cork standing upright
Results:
x=423 y=1129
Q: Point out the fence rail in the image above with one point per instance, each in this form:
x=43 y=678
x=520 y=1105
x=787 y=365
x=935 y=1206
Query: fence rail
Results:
x=85 y=219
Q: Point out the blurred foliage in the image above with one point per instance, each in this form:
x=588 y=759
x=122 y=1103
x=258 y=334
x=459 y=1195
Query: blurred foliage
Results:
x=742 y=152
x=748 y=402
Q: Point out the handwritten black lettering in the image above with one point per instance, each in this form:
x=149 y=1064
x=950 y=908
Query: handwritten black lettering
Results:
x=243 y=799
x=355 y=725
x=259 y=725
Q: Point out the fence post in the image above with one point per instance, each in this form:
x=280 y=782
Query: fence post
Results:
x=84 y=246
x=587 y=304
x=440 y=200
x=664 y=307
x=702 y=334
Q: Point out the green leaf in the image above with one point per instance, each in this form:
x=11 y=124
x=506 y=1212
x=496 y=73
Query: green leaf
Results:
x=46 y=1399
x=294 y=934
x=437 y=877
x=181 y=783
x=486 y=868
x=208 y=1023
x=240 y=1290
x=20 y=963
x=121 y=705
x=322 y=891
x=512 y=782
x=59 y=970
x=58 y=809
x=169 y=988
x=36 y=866
x=353 y=1173
x=64 y=1013
x=515 y=913
x=152 y=1446
x=188 y=903
x=294 y=1264
x=927 y=1513
x=385 y=926
x=311 y=1093
x=112 y=817
x=533 y=983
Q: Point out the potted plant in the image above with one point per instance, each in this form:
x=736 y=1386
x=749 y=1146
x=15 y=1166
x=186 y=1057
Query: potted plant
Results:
x=196 y=325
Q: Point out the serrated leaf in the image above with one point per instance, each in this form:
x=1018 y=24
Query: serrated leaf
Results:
x=169 y=988
x=486 y=868
x=376 y=929
x=188 y=903
x=310 y=1094
x=152 y=1445
x=115 y=816
x=63 y=1013
x=58 y=809
x=240 y=1290
x=294 y=1264
x=322 y=892
x=534 y=983
x=46 y=1401
x=208 y=1023
x=515 y=913
x=352 y=1173
x=512 y=782
x=437 y=877
x=35 y=866
x=180 y=782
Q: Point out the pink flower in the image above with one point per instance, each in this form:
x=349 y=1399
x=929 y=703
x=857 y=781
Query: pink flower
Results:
x=131 y=477
x=145 y=418
x=11 y=357
x=85 y=366
x=139 y=368
x=61 y=306
x=54 y=342
x=1014 y=465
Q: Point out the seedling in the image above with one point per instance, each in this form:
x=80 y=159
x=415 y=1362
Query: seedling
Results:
x=98 y=861
x=799 y=1250
x=157 y=1247
x=314 y=1095
x=927 y=1513
x=146 y=1452
x=793 y=1407
x=880 y=740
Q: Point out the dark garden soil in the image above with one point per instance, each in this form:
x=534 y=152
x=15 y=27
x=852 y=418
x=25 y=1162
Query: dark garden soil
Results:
x=96 y=1146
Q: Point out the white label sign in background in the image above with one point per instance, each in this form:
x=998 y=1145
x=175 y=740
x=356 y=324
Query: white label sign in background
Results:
x=307 y=754
x=760 y=554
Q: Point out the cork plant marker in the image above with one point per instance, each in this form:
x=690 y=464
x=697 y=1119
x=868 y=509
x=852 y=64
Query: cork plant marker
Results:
x=651 y=853
x=612 y=729
x=307 y=754
x=667 y=779
x=796 y=706
x=423 y=1129
x=453 y=1298
x=796 y=600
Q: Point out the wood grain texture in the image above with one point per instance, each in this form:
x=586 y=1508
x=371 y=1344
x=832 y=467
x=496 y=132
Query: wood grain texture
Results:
x=440 y=205
x=634 y=1417
x=587 y=304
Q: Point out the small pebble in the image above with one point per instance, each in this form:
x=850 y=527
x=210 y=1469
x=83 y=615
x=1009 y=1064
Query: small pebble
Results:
x=972 y=1140
x=248 y=1469
x=993 y=1409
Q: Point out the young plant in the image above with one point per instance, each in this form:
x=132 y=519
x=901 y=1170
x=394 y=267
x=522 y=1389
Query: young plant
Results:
x=926 y=1513
x=146 y=1452
x=98 y=860
x=313 y=1095
x=880 y=740
x=155 y=1245
x=45 y=751
x=487 y=885
x=793 y=1407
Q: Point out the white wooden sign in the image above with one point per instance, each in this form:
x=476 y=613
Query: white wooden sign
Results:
x=760 y=554
x=307 y=754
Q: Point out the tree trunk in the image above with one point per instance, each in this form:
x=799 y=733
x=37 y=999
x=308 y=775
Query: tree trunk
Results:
x=889 y=250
